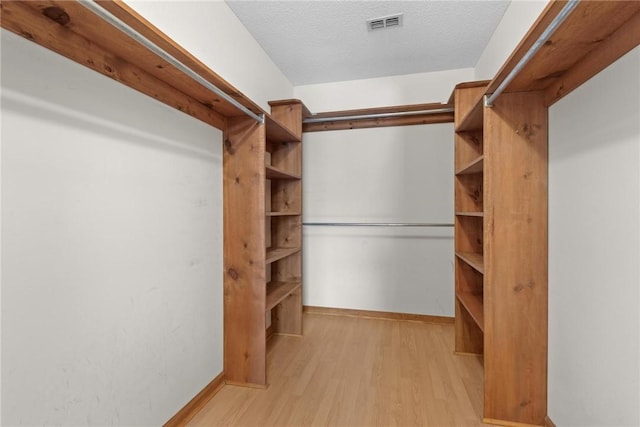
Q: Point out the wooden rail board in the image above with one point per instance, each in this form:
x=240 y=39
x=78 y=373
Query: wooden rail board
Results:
x=593 y=36
x=29 y=22
x=362 y=123
x=68 y=28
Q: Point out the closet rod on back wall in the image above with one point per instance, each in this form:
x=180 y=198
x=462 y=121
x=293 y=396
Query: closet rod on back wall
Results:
x=126 y=29
x=375 y=115
x=378 y=224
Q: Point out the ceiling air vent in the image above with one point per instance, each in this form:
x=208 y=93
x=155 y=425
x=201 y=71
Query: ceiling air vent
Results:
x=383 y=22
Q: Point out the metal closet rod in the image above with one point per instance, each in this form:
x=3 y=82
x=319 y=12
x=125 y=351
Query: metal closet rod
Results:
x=551 y=28
x=375 y=116
x=378 y=224
x=125 y=28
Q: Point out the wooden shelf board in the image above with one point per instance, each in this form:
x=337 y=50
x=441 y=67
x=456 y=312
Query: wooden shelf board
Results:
x=283 y=213
x=277 y=132
x=473 y=120
x=476 y=261
x=474 y=214
x=474 y=306
x=277 y=173
x=278 y=291
x=593 y=36
x=274 y=254
x=474 y=166
x=94 y=43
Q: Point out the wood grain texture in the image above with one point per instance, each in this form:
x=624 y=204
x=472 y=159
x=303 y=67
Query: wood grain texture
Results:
x=474 y=260
x=195 y=405
x=407 y=120
x=607 y=51
x=125 y=13
x=285 y=195
x=472 y=302
x=469 y=338
x=350 y=371
x=274 y=254
x=28 y=20
x=474 y=166
x=589 y=26
x=288 y=314
x=277 y=291
x=515 y=243
x=468 y=107
x=244 y=252
x=278 y=131
x=289 y=114
x=277 y=173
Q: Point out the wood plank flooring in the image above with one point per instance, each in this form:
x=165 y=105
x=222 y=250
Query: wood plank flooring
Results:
x=349 y=371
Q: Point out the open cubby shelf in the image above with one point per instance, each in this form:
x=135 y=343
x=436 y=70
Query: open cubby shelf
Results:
x=278 y=291
x=474 y=166
x=273 y=172
x=474 y=305
x=476 y=261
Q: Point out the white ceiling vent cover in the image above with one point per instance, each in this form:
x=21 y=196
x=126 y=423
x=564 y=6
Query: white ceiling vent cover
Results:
x=389 y=21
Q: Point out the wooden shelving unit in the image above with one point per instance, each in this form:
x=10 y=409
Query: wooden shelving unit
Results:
x=278 y=291
x=501 y=201
x=263 y=237
x=500 y=238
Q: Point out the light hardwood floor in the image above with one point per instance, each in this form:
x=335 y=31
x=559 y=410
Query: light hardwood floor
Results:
x=349 y=371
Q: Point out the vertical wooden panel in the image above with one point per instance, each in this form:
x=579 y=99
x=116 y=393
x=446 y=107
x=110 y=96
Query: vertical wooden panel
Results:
x=286 y=232
x=286 y=196
x=244 y=252
x=515 y=250
x=288 y=314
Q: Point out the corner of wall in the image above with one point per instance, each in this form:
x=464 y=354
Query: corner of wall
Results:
x=515 y=23
x=217 y=37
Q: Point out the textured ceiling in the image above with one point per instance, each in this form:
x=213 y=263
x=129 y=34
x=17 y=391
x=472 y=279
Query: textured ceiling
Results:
x=325 y=41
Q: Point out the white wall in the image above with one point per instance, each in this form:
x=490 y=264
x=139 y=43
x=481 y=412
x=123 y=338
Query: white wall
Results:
x=112 y=248
x=517 y=19
x=419 y=88
x=594 y=250
x=395 y=174
x=212 y=32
